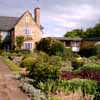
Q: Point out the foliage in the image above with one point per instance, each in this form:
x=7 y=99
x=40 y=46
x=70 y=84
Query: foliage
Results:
x=68 y=75
x=35 y=94
x=97 y=48
x=44 y=69
x=90 y=67
x=93 y=58
x=51 y=46
x=28 y=62
x=66 y=86
x=12 y=66
x=93 y=75
x=89 y=33
x=76 y=33
x=87 y=52
x=68 y=54
x=77 y=62
x=19 y=41
x=97 y=94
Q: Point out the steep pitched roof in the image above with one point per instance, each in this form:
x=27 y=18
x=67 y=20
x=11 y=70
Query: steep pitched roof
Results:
x=7 y=23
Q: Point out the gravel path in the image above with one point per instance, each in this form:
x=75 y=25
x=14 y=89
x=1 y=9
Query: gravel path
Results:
x=9 y=86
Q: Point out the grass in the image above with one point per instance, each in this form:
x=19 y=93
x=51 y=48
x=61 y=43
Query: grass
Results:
x=12 y=66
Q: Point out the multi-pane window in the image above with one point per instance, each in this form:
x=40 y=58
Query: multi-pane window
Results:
x=28 y=46
x=27 y=31
x=27 y=19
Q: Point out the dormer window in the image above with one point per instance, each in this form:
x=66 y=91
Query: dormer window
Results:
x=27 y=19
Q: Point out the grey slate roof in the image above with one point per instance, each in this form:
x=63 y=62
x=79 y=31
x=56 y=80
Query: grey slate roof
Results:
x=66 y=39
x=7 y=23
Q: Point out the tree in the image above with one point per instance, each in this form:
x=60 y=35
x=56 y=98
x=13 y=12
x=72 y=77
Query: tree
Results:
x=76 y=33
x=19 y=41
x=92 y=32
x=51 y=46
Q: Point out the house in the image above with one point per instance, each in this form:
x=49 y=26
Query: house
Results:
x=74 y=44
x=77 y=43
x=26 y=25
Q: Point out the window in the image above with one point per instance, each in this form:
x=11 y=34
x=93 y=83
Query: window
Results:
x=27 y=31
x=27 y=19
x=28 y=46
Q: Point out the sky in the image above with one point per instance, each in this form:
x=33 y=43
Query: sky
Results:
x=57 y=16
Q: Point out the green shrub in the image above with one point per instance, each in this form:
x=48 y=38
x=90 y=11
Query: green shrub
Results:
x=19 y=41
x=28 y=62
x=43 y=71
x=77 y=62
x=51 y=46
x=46 y=68
x=97 y=93
x=91 y=67
x=93 y=58
x=67 y=54
x=97 y=48
x=87 y=52
x=67 y=86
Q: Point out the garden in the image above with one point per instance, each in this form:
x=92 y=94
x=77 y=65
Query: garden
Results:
x=54 y=72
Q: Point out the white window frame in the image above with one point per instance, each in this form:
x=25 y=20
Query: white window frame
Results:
x=28 y=45
x=27 y=31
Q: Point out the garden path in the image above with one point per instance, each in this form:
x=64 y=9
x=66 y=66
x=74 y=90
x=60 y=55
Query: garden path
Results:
x=9 y=86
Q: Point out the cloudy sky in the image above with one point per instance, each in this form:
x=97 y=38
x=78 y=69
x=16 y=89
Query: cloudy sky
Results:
x=57 y=16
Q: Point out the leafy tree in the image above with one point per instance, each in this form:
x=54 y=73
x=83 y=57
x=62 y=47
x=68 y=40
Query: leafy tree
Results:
x=76 y=33
x=19 y=41
x=92 y=32
x=51 y=46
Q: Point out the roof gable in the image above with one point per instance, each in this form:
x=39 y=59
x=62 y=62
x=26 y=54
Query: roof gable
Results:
x=7 y=23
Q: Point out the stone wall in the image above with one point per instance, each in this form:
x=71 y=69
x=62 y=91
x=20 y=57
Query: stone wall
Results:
x=35 y=30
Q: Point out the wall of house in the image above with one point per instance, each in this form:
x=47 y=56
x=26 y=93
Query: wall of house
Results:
x=27 y=22
x=88 y=43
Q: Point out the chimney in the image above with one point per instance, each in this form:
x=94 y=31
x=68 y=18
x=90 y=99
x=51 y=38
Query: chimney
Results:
x=37 y=15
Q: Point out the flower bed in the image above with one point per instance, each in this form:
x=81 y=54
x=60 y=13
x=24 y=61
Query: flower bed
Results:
x=90 y=75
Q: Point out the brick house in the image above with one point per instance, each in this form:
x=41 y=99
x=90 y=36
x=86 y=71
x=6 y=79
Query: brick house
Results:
x=26 y=25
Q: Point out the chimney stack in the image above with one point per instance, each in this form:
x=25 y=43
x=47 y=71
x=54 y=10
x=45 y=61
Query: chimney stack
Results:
x=37 y=15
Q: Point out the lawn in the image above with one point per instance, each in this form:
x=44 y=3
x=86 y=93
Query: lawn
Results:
x=12 y=66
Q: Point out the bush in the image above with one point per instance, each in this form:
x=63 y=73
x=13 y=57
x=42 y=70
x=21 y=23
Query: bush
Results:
x=19 y=41
x=67 y=54
x=97 y=94
x=88 y=51
x=93 y=58
x=97 y=48
x=90 y=67
x=51 y=46
x=93 y=75
x=44 y=69
x=77 y=62
x=67 y=86
x=28 y=62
